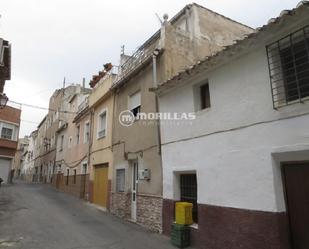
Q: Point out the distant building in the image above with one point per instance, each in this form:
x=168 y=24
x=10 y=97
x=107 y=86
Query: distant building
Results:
x=30 y=154
x=72 y=145
x=59 y=114
x=20 y=158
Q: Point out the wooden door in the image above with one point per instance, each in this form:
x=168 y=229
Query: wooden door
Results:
x=297 y=197
x=100 y=185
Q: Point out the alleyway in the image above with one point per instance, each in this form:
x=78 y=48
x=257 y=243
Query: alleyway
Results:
x=35 y=216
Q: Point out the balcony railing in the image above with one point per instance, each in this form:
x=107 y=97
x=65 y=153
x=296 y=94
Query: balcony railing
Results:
x=83 y=105
x=138 y=57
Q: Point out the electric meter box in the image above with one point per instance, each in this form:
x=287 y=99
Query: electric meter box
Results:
x=144 y=174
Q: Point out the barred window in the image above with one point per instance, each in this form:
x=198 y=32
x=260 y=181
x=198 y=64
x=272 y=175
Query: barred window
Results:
x=6 y=133
x=120 y=180
x=188 y=192
x=288 y=60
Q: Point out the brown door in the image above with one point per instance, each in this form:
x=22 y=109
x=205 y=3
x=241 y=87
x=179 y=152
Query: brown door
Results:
x=297 y=195
x=100 y=185
x=58 y=180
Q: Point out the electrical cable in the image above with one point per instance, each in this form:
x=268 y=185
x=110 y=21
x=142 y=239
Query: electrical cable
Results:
x=41 y=108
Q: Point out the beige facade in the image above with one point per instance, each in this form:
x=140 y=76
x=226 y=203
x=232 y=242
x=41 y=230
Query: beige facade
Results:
x=71 y=172
x=101 y=103
x=182 y=41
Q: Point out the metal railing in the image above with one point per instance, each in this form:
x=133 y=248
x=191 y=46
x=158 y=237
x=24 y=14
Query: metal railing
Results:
x=288 y=62
x=83 y=105
x=137 y=58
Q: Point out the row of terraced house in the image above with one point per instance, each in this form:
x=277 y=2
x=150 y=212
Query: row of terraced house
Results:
x=242 y=156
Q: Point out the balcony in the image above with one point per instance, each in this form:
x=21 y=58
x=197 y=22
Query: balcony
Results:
x=138 y=59
x=83 y=105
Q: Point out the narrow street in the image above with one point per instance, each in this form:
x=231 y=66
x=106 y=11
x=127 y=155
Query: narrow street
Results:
x=35 y=216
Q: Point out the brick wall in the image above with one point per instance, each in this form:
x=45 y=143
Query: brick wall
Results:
x=10 y=114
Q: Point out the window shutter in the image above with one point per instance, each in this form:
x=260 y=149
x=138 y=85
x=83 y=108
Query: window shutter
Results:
x=134 y=100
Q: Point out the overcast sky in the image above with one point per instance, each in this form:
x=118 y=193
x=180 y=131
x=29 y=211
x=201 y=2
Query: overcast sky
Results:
x=74 y=38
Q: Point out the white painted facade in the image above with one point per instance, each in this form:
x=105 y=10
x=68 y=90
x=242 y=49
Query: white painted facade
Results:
x=28 y=163
x=235 y=146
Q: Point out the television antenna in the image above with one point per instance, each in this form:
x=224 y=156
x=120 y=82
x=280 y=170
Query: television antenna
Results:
x=160 y=20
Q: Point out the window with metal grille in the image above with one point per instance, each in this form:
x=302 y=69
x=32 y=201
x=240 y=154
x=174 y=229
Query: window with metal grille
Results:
x=188 y=192
x=120 y=180
x=6 y=133
x=288 y=60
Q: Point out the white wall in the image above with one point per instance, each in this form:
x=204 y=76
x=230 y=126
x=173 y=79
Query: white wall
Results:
x=28 y=162
x=5 y=167
x=238 y=168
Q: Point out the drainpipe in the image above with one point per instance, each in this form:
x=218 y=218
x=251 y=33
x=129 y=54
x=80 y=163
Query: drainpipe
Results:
x=155 y=85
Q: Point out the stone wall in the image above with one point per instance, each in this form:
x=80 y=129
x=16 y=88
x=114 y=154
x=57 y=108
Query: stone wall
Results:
x=149 y=209
x=120 y=204
x=149 y=212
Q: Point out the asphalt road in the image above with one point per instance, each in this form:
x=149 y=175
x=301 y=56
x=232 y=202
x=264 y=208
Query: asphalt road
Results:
x=36 y=216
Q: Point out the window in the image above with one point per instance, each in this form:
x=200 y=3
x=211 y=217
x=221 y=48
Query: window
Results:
x=102 y=124
x=7 y=133
x=120 y=180
x=70 y=142
x=52 y=141
x=201 y=96
x=84 y=168
x=135 y=103
x=87 y=132
x=188 y=192
x=77 y=134
x=205 y=97
x=61 y=142
x=74 y=179
x=288 y=60
x=67 y=179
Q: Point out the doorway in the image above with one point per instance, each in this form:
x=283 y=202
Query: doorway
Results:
x=100 y=185
x=134 y=189
x=296 y=178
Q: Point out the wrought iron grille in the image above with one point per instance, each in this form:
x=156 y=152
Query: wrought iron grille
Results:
x=188 y=192
x=288 y=61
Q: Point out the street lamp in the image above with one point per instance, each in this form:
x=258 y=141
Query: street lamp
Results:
x=3 y=100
